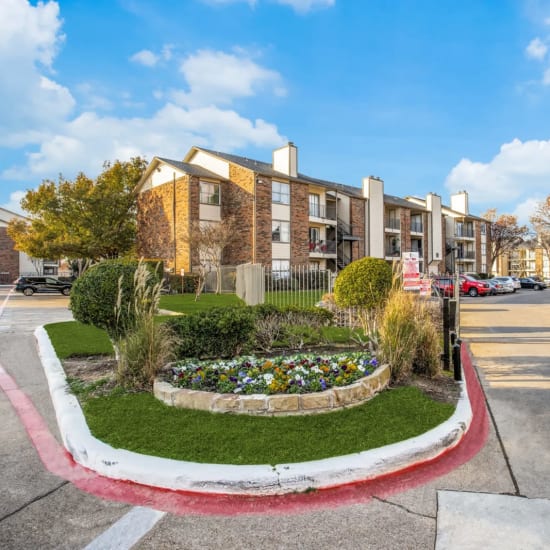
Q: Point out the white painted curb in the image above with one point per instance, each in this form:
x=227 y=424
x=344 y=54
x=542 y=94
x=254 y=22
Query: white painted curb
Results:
x=224 y=478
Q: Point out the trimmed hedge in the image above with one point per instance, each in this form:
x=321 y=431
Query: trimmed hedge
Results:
x=217 y=332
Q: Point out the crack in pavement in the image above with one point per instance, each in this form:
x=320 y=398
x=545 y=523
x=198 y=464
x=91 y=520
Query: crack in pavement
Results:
x=408 y=510
x=35 y=499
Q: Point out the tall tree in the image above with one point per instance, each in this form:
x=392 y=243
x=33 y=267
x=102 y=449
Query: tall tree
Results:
x=504 y=232
x=541 y=224
x=81 y=219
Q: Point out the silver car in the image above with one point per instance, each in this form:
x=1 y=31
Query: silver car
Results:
x=507 y=283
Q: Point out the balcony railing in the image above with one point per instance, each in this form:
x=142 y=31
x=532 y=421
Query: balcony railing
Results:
x=416 y=227
x=393 y=252
x=464 y=232
x=468 y=255
x=322 y=247
x=322 y=211
x=393 y=223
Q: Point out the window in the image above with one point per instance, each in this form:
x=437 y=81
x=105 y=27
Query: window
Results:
x=482 y=228
x=280 y=192
x=483 y=249
x=314 y=238
x=209 y=193
x=280 y=231
x=314 y=202
x=280 y=269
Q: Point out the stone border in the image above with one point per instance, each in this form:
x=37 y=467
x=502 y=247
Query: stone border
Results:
x=275 y=405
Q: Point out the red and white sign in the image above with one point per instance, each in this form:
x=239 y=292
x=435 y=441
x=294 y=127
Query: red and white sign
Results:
x=411 y=274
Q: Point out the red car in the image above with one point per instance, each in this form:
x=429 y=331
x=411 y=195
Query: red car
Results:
x=443 y=286
x=473 y=287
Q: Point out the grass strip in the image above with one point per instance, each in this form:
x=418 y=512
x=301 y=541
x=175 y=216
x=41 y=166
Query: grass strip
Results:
x=74 y=339
x=141 y=423
x=185 y=303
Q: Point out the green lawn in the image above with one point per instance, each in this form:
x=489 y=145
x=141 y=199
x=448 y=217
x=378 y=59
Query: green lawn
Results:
x=141 y=423
x=185 y=303
x=303 y=298
x=74 y=339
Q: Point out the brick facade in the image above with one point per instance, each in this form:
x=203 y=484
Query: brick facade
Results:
x=299 y=224
x=357 y=222
x=9 y=258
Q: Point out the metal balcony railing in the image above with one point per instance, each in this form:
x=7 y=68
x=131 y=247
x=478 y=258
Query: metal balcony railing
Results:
x=393 y=223
x=416 y=227
x=322 y=211
x=322 y=247
x=393 y=251
x=464 y=232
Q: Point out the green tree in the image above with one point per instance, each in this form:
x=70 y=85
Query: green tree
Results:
x=504 y=232
x=81 y=219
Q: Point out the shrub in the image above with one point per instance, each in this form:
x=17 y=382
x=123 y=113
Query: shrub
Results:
x=409 y=339
x=364 y=284
x=146 y=346
x=94 y=296
x=187 y=286
x=217 y=332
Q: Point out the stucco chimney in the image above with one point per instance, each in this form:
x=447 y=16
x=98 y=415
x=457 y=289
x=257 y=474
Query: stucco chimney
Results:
x=373 y=190
x=459 y=202
x=285 y=160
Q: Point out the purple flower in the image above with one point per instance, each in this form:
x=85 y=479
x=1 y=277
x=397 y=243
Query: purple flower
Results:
x=323 y=383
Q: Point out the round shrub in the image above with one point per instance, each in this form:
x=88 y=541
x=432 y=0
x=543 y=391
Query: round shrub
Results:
x=94 y=296
x=364 y=283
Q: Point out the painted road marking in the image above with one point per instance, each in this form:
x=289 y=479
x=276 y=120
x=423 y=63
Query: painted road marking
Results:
x=123 y=534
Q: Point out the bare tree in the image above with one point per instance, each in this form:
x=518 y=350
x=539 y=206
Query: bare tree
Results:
x=541 y=225
x=207 y=241
x=504 y=232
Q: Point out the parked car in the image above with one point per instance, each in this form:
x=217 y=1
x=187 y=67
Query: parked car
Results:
x=473 y=287
x=443 y=286
x=28 y=285
x=517 y=283
x=496 y=287
x=507 y=283
x=529 y=282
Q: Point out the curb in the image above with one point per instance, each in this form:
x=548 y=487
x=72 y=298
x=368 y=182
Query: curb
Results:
x=259 y=480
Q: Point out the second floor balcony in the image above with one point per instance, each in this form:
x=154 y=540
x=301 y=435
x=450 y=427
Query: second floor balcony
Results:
x=323 y=212
x=322 y=249
x=417 y=227
x=393 y=224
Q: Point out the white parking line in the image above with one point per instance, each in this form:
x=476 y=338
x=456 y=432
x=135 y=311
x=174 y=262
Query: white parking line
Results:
x=123 y=534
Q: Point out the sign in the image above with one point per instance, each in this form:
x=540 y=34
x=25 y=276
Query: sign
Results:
x=426 y=287
x=182 y=272
x=411 y=274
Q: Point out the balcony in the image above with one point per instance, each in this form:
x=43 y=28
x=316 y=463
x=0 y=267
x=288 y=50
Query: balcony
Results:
x=393 y=224
x=392 y=252
x=467 y=255
x=322 y=212
x=464 y=233
x=416 y=227
x=322 y=249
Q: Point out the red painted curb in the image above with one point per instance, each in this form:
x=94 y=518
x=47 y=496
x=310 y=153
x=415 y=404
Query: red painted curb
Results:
x=58 y=461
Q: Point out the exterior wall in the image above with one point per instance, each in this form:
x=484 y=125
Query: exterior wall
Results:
x=214 y=164
x=357 y=222
x=238 y=201
x=155 y=222
x=9 y=258
x=405 y=216
x=299 y=224
x=373 y=190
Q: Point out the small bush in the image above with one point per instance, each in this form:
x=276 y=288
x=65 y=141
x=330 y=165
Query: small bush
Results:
x=94 y=296
x=218 y=332
x=364 y=284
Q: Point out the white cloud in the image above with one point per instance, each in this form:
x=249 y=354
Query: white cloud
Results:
x=546 y=77
x=145 y=57
x=520 y=169
x=305 y=6
x=30 y=102
x=525 y=209
x=216 y=77
x=14 y=203
x=89 y=140
x=536 y=49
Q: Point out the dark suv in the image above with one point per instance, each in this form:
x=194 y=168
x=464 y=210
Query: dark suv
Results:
x=29 y=285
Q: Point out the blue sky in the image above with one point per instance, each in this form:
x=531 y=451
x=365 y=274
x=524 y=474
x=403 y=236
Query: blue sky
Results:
x=429 y=95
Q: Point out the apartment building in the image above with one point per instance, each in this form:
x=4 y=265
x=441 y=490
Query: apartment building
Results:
x=286 y=218
x=526 y=260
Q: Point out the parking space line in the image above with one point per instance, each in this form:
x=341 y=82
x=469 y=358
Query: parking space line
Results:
x=131 y=527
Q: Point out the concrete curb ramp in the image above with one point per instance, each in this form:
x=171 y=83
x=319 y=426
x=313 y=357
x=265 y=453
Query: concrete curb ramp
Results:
x=230 y=479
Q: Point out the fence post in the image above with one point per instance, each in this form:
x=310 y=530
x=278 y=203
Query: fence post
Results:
x=456 y=360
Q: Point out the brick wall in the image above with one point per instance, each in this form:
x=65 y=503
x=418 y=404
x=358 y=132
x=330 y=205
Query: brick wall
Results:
x=238 y=201
x=9 y=258
x=405 y=217
x=357 y=222
x=263 y=221
x=155 y=223
x=299 y=223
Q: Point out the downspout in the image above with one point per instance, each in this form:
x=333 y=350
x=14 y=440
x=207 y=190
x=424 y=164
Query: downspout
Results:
x=254 y=220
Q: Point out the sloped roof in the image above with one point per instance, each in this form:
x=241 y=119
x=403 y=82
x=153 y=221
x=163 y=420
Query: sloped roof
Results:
x=191 y=169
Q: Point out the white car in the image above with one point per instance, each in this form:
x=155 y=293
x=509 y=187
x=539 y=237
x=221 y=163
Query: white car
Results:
x=517 y=282
x=507 y=283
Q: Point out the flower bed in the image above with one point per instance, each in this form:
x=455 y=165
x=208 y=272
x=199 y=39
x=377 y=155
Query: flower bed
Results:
x=305 y=373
